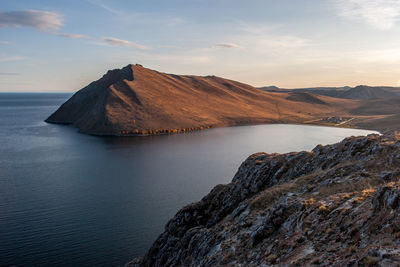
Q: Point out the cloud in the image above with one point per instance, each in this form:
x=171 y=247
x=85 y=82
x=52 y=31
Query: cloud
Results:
x=12 y=58
x=382 y=56
x=104 y=6
x=4 y=43
x=184 y=58
x=257 y=28
x=42 y=20
x=380 y=14
x=284 y=41
x=131 y=17
x=228 y=45
x=73 y=36
x=49 y=22
x=258 y=37
x=123 y=43
x=269 y=42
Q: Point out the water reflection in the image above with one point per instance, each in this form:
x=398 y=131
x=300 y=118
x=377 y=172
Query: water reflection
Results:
x=75 y=199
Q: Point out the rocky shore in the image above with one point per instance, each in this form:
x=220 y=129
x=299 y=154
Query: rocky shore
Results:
x=337 y=205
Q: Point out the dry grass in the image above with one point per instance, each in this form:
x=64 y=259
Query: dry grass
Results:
x=348 y=187
x=270 y=195
x=309 y=202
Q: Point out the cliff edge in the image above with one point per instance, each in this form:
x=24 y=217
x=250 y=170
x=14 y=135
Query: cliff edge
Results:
x=337 y=205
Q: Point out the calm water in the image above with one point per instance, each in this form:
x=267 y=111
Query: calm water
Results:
x=73 y=199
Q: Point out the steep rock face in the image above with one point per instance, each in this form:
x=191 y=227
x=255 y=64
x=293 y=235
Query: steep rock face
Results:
x=87 y=109
x=336 y=205
x=138 y=101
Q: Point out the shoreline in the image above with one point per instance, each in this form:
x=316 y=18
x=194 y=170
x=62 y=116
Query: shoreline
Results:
x=209 y=127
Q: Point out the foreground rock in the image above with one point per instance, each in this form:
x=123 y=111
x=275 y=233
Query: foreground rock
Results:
x=138 y=101
x=337 y=205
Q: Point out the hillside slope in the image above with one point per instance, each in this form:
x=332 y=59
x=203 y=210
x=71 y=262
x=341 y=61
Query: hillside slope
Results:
x=358 y=92
x=370 y=92
x=337 y=205
x=138 y=101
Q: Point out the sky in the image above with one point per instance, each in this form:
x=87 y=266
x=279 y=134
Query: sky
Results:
x=62 y=46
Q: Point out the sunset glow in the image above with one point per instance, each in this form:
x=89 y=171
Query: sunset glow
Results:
x=63 y=45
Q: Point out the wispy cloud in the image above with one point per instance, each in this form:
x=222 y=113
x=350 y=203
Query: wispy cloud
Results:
x=182 y=58
x=11 y=58
x=42 y=20
x=73 y=35
x=228 y=45
x=381 y=56
x=269 y=42
x=49 y=22
x=261 y=37
x=104 y=6
x=256 y=28
x=380 y=14
x=284 y=41
x=123 y=43
x=148 y=18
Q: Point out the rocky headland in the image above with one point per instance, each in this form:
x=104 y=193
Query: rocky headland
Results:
x=337 y=205
x=136 y=100
x=139 y=101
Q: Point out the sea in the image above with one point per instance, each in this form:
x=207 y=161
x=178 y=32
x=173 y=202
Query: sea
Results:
x=70 y=199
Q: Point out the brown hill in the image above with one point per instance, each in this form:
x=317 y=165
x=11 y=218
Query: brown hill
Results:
x=381 y=114
x=138 y=101
x=358 y=92
x=305 y=97
x=369 y=92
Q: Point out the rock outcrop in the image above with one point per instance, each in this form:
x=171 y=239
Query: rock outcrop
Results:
x=138 y=101
x=336 y=205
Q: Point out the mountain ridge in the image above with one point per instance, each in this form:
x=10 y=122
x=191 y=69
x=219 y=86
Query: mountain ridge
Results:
x=357 y=92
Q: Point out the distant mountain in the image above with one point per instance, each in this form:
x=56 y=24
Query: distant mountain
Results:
x=358 y=92
x=368 y=92
x=138 y=101
x=272 y=88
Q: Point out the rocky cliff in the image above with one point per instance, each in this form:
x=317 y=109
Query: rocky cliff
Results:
x=336 y=205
